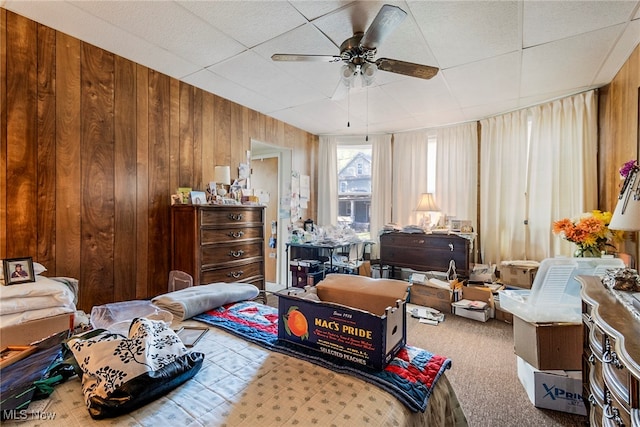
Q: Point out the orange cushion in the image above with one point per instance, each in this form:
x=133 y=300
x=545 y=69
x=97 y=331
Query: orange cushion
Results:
x=365 y=293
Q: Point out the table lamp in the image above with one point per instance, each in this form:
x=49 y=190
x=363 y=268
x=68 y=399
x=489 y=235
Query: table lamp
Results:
x=427 y=204
x=222 y=177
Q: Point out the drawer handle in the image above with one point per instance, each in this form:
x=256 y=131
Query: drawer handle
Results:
x=611 y=358
x=611 y=413
x=235 y=217
x=236 y=234
x=589 y=318
x=236 y=254
x=592 y=359
x=451 y=247
x=592 y=399
x=235 y=274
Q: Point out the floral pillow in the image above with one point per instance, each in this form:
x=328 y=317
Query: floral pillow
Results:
x=121 y=374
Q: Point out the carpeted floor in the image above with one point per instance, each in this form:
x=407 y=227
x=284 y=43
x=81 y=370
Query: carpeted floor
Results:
x=483 y=372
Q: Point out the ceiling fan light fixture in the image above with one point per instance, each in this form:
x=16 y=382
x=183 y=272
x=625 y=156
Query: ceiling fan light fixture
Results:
x=368 y=72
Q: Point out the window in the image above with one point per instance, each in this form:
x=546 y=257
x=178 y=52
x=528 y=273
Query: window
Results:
x=354 y=184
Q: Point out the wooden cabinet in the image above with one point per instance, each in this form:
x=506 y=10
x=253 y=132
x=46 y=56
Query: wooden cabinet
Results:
x=218 y=243
x=611 y=357
x=425 y=252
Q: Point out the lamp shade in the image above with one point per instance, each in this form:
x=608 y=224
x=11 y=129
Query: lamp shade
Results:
x=427 y=203
x=222 y=175
x=626 y=216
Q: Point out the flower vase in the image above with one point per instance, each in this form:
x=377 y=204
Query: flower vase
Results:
x=587 y=252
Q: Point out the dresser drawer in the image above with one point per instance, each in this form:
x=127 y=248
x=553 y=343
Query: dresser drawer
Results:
x=248 y=272
x=213 y=255
x=220 y=235
x=228 y=217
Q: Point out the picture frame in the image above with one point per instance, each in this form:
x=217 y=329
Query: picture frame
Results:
x=18 y=270
x=198 y=198
x=190 y=335
x=13 y=353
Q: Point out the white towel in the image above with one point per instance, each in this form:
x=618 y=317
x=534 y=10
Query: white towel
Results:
x=186 y=303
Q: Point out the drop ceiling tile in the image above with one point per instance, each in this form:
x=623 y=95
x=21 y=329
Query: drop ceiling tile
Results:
x=620 y=53
x=249 y=22
x=565 y=64
x=546 y=21
x=462 y=32
x=491 y=80
x=314 y=9
x=163 y=24
x=477 y=112
x=422 y=96
x=227 y=89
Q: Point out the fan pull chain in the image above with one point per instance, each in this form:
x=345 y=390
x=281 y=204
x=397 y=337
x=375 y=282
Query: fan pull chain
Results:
x=348 y=106
x=367 y=115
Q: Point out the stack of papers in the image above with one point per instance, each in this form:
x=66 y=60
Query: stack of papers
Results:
x=427 y=315
x=470 y=305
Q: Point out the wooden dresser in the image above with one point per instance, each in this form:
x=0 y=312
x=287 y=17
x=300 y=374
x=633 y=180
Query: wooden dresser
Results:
x=425 y=252
x=218 y=243
x=611 y=357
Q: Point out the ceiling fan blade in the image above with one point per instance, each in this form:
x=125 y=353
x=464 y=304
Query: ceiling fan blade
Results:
x=387 y=19
x=305 y=58
x=406 y=68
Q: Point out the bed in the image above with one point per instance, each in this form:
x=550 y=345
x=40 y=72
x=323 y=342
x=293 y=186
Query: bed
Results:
x=244 y=384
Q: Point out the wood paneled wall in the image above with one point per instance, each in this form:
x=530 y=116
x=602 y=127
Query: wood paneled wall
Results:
x=619 y=139
x=92 y=146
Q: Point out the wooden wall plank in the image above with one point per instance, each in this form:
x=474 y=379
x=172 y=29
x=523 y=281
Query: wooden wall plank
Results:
x=186 y=143
x=68 y=115
x=174 y=142
x=46 y=148
x=3 y=132
x=239 y=144
x=208 y=157
x=22 y=143
x=142 y=182
x=222 y=130
x=160 y=100
x=125 y=260
x=97 y=165
x=198 y=181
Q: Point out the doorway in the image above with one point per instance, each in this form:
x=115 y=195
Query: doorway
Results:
x=271 y=173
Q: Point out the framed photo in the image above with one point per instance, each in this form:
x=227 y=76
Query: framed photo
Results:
x=18 y=270
x=12 y=354
x=190 y=335
x=198 y=198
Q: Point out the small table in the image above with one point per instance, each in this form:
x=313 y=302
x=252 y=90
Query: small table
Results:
x=329 y=246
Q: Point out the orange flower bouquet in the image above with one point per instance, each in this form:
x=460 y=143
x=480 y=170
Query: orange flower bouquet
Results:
x=590 y=232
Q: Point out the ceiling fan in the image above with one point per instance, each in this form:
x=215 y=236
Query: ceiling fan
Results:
x=358 y=52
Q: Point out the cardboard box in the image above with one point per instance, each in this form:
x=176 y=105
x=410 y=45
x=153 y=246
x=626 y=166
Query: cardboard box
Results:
x=431 y=296
x=480 y=315
x=549 y=346
x=35 y=330
x=557 y=389
x=504 y=316
x=354 y=335
x=515 y=275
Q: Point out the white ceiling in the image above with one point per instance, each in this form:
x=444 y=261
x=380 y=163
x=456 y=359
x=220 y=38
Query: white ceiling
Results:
x=494 y=56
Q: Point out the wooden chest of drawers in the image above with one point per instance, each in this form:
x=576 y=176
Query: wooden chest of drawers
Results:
x=216 y=243
x=425 y=252
x=611 y=357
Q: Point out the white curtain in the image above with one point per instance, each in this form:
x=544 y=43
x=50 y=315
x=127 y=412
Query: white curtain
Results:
x=381 y=185
x=563 y=169
x=328 y=181
x=503 y=160
x=456 y=171
x=532 y=175
x=410 y=159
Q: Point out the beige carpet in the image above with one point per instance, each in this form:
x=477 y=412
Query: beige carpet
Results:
x=483 y=372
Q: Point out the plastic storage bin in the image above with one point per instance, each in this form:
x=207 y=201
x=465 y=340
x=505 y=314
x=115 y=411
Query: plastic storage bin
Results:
x=555 y=294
